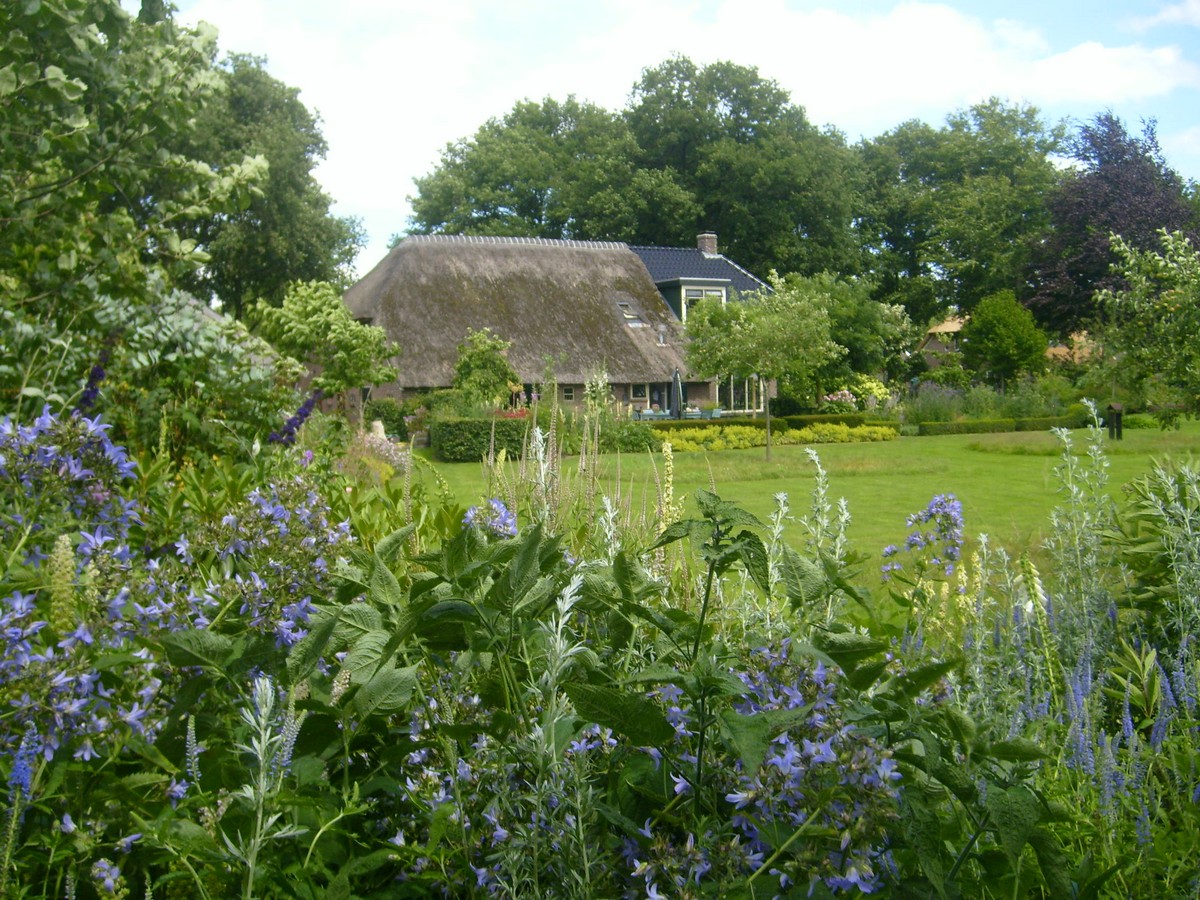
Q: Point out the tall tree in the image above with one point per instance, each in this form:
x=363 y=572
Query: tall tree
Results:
x=779 y=191
x=1122 y=185
x=950 y=214
x=287 y=232
x=553 y=170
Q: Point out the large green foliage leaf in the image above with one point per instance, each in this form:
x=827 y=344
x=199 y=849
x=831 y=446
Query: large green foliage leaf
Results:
x=629 y=714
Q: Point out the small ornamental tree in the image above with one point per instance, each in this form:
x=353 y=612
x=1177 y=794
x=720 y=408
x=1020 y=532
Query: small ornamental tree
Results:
x=783 y=334
x=482 y=372
x=315 y=327
x=1002 y=340
x=1154 y=323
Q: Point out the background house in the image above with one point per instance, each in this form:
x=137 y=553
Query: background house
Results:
x=570 y=308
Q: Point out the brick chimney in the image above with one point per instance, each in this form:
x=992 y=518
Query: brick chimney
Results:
x=707 y=243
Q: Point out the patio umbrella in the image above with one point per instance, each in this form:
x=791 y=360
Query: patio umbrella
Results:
x=677 y=395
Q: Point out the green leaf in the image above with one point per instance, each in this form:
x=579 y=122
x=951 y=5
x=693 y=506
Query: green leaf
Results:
x=923 y=832
x=388 y=691
x=354 y=620
x=804 y=581
x=752 y=735
x=1013 y=812
x=385 y=590
x=912 y=682
x=715 y=509
x=366 y=656
x=676 y=531
x=390 y=547
x=1056 y=868
x=307 y=652
x=847 y=648
x=639 y=719
x=753 y=555
x=198 y=647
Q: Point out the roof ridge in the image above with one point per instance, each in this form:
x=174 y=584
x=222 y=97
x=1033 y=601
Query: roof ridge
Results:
x=506 y=239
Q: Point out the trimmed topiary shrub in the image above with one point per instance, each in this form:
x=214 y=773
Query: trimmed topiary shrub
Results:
x=470 y=440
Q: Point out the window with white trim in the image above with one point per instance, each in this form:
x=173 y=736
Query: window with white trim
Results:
x=694 y=295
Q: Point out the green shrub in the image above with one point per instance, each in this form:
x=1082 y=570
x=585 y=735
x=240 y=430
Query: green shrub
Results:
x=850 y=419
x=742 y=437
x=628 y=436
x=470 y=440
x=836 y=433
x=1139 y=421
x=388 y=411
x=1045 y=423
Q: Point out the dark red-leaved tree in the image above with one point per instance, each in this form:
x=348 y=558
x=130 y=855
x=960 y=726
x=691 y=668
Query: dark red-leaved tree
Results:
x=1122 y=185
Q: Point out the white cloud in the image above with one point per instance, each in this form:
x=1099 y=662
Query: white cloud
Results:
x=1185 y=13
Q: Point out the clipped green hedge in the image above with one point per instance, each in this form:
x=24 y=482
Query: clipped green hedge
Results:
x=1045 y=423
x=469 y=440
x=990 y=426
x=725 y=436
x=669 y=425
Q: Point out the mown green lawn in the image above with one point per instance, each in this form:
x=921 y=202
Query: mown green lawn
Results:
x=1006 y=482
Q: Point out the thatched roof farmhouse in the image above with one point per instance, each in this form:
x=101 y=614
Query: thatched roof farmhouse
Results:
x=573 y=308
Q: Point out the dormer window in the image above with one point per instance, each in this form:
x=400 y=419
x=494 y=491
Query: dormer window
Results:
x=632 y=319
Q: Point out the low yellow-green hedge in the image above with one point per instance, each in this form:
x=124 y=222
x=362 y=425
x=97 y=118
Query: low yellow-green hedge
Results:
x=743 y=437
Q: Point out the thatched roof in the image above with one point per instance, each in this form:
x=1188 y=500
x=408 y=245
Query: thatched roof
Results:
x=588 y=306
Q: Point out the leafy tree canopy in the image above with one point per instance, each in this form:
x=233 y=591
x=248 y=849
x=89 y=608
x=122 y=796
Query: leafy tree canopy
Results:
x=874 y=336
x=783 y=334
x=779 y=191
x=92 y=190
x=564 y=170
x=699 y=148
x=1153 y=322
x=950 y=214
x=287 y=231
x=315 y=327
x=1002 y=340
x=482 y=372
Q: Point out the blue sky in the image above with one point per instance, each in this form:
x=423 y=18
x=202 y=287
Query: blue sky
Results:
x=396 y=80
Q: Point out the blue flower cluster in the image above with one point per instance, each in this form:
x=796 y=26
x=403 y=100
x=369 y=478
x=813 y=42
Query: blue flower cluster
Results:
x=60 y=479
x=495 y=518
x=821 y=774
x=59 y=474
x=935 y=538
x=274 y=552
